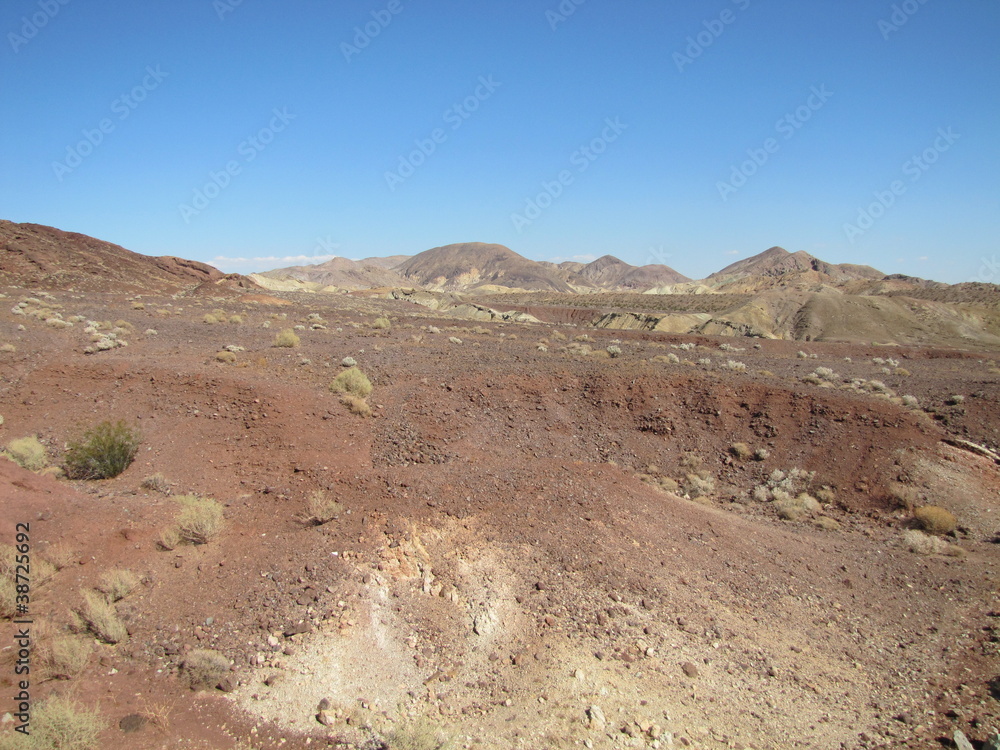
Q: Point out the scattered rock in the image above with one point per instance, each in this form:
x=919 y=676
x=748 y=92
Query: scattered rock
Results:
x=689 y=669
x=297 y=629
x=992 y=742
x=597 y=722
x=227 y=685
x=326 y=718
x=133 y=723
x=961 y=741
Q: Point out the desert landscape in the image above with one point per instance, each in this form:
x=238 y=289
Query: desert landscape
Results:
x=464 y=499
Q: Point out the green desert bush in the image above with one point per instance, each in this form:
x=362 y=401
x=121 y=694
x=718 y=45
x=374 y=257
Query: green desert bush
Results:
x=58 y=723
x=935 y=519
x=286 y=338
x=199 y=520
x=204 y=668
x=352 y=381
x=102 y=452
x=28 y=453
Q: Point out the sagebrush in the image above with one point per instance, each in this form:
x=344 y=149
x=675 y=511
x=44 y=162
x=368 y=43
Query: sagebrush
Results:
x=102 y=452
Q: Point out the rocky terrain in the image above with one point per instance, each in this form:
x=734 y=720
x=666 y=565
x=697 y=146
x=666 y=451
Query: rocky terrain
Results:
x=534 y=532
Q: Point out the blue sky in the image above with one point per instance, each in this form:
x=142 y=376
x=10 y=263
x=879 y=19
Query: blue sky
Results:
x=254 y=134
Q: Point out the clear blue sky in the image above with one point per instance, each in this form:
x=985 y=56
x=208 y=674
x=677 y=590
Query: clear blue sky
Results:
x=321 y=140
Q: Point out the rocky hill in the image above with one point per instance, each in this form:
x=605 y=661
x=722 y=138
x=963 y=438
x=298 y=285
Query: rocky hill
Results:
x=43 y=257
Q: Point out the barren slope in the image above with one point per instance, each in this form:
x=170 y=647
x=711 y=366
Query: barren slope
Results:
x=510 y=555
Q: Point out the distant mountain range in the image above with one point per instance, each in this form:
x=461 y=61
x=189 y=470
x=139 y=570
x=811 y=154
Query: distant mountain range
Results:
x=775 y=294
x=480 y=268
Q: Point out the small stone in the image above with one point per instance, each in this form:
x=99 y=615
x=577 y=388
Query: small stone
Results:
x=992 y=741
x=272 y=679
x=689 y=669
x=961 y=741
x=132 y=723
x=297 y=629
x=273 y=643
x=326 y=718
x=227 y=685
x=324 y=704
x=596 y=717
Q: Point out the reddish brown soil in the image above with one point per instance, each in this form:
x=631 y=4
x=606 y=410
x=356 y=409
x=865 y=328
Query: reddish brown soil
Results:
x=499 y=565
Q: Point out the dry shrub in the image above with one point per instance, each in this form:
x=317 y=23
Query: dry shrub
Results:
x=925 y=544
x=903 y=496
x=225 y=356
x=199 y=519
x=698 y=486
x=382 y=323
x=352 y=381
x=935 y=519
x=236 y=319
x=8 y=598
x=321 y=508
x=741 y=451
x=157 y=483
x=117 y=584
x=170 y=538
x=794 y=508
x=286 y=338
x=204 y=668
x=28 y=453
x=58 y=722
x=418 y=736
x=62 y=657
x=101 y=618
x=356 y=405
x=61 y=555
x=826 y=494
x=210 y=319
x=827 y=524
